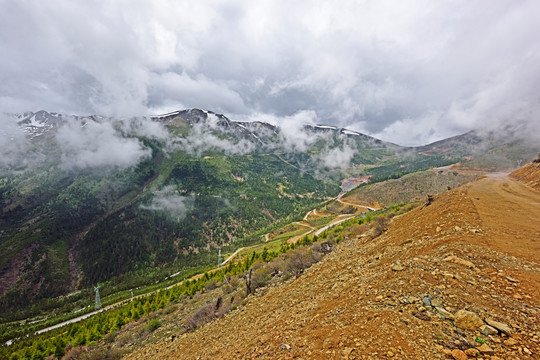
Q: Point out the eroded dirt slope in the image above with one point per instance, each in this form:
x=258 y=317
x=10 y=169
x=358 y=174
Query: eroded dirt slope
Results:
x=529 y=174
x=425 y=289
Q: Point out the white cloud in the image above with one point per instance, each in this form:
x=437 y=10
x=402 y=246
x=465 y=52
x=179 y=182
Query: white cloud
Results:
x=14 y=146
x=97 y=144
x=168 y=201
x=208 y=136
x=374 y=64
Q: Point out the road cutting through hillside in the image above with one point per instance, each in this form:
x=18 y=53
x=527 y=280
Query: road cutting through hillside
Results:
x=195 y=277
x=474 y=249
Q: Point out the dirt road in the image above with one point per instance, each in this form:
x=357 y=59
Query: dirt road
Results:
x=510 y=211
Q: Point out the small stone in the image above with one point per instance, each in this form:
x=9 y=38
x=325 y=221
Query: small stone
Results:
x=511 y=279
x=285 y=347
x=426 y=300
x=460 y=261
x=457 y=228
x=510 y=342
x=447 y=352
x=500 y=326
x=390 y=353
x=379 y=298
x=467 y=320
x=446 y=314
x=421 y=315
x=488 y=330
x=485 y=349
x=458 y=354
x=471 y=352
x=517 y=297
x=397 y=266
x=527 y=351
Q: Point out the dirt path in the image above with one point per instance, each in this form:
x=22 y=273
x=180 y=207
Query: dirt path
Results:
x=356 y=205
x=324 y=228
x=511 y=212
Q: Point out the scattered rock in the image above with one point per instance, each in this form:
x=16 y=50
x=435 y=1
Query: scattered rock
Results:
x=500 y=326
x=458 y=354
x=447 y=352
x=460 y=261
x=488 y=330
x=472 y=352
x=447 y=314
x=467 y=320
x=512 y=279
x=426 y=300
x=510 y=342
x=285 y=347
x=421 y=316
x=485 y=349
x=397 y=266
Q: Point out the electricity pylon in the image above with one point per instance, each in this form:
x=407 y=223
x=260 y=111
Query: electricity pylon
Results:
x=98 y=300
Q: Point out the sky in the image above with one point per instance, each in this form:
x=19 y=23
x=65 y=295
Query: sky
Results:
x=410 y=72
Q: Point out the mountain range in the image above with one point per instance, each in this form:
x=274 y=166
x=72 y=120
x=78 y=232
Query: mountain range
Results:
x=87 y=200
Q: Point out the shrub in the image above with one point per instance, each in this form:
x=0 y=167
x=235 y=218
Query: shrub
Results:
x=153 y=324
x=211 y=284
x=299 y=260
x=379 y=225
x=203 y=315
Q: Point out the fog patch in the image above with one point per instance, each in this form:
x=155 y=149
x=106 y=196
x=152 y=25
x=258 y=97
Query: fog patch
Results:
x=143 y=126
x=14 y=144
x=92 y=144
x=339 y=157
x=167 y=200
x=209 y=136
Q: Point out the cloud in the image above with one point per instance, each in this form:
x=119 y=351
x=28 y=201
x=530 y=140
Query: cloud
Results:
x=167 y=200
x=375 y=66
x=338 y=157
x=14 y=146
x=142 y=126
x=208 y=136
x=97 y=144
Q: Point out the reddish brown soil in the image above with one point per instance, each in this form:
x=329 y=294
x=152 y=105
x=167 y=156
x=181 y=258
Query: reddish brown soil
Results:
x=352 y=305
x=529 y=174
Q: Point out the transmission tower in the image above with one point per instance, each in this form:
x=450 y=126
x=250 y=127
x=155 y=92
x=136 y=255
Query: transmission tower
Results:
x=98 y=300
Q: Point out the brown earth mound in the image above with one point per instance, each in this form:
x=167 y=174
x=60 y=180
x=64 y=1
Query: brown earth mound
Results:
x=456 y=279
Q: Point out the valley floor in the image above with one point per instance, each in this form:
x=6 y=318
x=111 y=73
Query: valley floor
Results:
x=400 y=295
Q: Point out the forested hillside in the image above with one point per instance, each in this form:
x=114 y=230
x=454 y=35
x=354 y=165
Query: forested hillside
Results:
x=85 y=200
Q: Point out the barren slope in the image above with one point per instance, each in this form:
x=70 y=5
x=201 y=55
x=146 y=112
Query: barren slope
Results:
x=529 y=174
x=475 y=248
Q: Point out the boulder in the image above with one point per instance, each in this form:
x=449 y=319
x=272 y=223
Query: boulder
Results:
x=467 y=320
x=500 y=326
